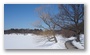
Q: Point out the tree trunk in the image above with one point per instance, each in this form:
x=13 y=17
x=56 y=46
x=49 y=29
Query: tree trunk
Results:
x=55 y=39
x=51 y=39
x=78 y=39
x=77 y=35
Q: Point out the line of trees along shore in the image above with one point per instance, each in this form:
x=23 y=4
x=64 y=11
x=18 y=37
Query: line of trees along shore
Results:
x=22 y=31
x=27 y=31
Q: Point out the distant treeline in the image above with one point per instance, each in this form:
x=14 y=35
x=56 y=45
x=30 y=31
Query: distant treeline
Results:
x=22 y=31
x=26 y=31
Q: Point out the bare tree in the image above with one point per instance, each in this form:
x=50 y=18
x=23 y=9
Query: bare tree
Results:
x=45 y=14
x=69 y=17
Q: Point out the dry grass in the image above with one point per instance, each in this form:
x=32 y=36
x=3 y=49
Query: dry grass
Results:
x=47 y=33
x=67 y=33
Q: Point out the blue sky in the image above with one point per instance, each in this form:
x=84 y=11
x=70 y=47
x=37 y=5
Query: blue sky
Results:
x=21 y=15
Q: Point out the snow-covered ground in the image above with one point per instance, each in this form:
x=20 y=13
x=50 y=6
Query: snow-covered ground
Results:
x=31 y=41
x=79 y=45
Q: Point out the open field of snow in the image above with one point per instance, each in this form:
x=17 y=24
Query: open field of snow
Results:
x=31 y=41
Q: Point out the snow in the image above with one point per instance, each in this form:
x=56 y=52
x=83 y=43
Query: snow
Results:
x=79 y=45
x=71 y=38
x=14 y=41
x=31 y=41
x=82 y=39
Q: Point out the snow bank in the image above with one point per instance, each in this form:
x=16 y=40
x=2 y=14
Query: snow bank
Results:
x=82 y=39
x=77 y=44
x=71 y=38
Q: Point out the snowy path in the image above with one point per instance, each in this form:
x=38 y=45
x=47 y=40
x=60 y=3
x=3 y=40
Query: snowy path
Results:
x=69 y=45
